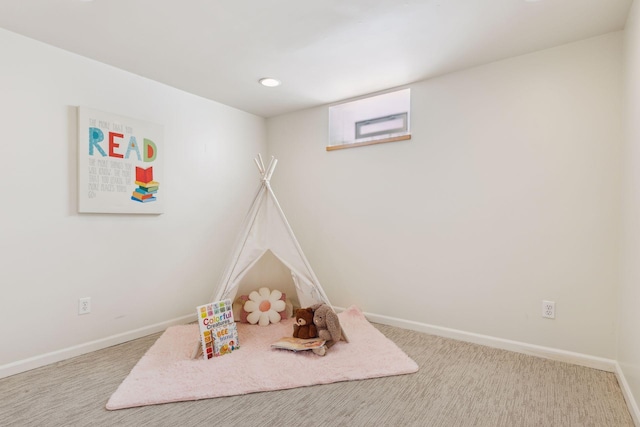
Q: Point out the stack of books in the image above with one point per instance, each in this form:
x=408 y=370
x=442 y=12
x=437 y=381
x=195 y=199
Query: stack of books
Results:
x=218 y=332
x=147 y=187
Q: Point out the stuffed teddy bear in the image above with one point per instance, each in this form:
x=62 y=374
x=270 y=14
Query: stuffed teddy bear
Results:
x=327 y=323
x=304 y=327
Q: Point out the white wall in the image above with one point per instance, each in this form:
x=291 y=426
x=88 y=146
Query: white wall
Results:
x=629 y=308
x=507 y=194
x=138 y=270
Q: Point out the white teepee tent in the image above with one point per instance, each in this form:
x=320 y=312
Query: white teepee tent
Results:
x=266 y=238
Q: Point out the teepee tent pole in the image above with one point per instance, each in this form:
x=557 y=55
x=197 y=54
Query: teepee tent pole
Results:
x=256 y=239
x=272 y=167
x=247 y=224
x=240 y=244
x=316 y=282
x=260 y=168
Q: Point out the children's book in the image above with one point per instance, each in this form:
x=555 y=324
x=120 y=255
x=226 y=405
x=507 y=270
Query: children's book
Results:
x=298 y=344
x=218 y=332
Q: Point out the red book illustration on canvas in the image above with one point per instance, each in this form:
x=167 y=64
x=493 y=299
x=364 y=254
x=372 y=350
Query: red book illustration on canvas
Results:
x=144 y=175
x=147 y=187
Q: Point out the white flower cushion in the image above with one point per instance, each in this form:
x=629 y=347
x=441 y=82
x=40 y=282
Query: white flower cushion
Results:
x=264 y=306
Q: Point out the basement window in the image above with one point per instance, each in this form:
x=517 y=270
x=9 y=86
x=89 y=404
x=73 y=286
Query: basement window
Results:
x=372 y=120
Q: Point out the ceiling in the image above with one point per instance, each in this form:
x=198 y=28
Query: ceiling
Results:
x=322 y=51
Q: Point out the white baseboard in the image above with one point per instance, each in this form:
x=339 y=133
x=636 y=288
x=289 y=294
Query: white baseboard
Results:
x=580 y=359
x=80 y=349
x=600 y=363
x=628 y=395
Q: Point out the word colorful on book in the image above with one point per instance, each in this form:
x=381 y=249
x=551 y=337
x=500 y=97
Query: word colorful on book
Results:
x=213 y=322
x=218 y=332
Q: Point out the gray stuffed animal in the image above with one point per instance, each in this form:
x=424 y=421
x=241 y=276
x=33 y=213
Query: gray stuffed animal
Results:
x=327 y=323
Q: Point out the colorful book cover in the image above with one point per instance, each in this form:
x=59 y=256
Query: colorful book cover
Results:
x=218 y=332
x=144 y=175
x=225 y=340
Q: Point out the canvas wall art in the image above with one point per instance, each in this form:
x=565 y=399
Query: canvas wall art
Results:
x=120 y=164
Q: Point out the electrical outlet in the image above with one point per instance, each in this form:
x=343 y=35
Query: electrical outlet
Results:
x=84 y=305
x=549 y=309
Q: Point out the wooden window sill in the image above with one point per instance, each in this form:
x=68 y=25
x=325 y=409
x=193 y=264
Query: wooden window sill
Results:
x=362 y=144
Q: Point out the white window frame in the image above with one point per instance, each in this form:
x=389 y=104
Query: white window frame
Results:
x=371 y=120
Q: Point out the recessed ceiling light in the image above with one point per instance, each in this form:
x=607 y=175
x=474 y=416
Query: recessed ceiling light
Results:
x=269 y=82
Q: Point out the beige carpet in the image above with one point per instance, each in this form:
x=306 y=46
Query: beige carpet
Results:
x=458 y=384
